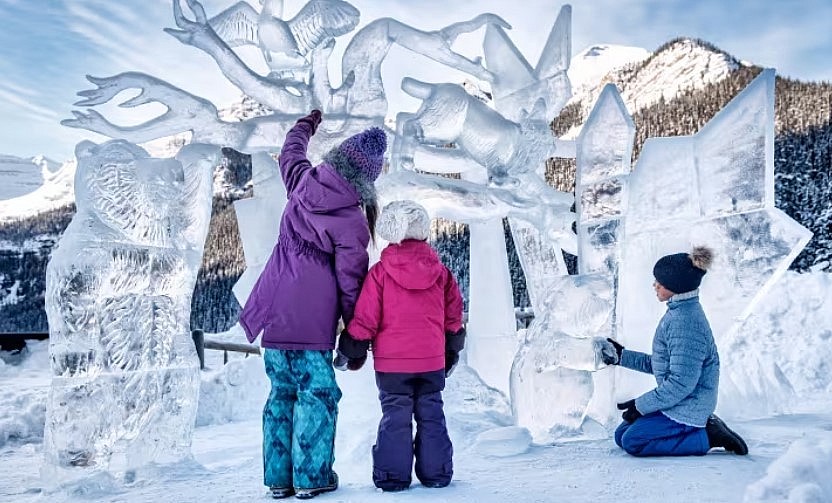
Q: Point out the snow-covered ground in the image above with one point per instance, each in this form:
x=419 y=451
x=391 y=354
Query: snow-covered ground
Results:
x=789 y=460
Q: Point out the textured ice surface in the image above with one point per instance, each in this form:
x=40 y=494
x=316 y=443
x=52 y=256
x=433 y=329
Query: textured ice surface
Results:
x=119 y=286
x=713 y=188
x=257 y=222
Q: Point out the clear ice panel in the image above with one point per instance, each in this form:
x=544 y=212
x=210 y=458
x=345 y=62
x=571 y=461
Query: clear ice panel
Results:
x=605 y=143
x=118 y=295
x=664 y=186
x=257 y=223
x=735 y=152
x=490 y=305
x=541 y=259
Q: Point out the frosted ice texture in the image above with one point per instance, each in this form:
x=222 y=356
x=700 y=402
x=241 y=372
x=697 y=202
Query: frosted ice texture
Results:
x=119 y=286
x=257 y=221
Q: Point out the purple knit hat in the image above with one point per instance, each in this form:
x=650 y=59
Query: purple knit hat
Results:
x=365 y=152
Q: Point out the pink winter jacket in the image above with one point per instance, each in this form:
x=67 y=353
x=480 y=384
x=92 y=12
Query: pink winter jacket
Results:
x=408 y=302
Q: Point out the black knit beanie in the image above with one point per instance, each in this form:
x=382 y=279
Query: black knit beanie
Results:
x=683 y=272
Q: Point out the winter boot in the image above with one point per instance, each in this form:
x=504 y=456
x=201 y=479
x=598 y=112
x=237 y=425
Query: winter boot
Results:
x=309 y=493
x=719 y=435
x=279 y=493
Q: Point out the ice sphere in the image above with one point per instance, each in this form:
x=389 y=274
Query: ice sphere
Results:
x=119 y=286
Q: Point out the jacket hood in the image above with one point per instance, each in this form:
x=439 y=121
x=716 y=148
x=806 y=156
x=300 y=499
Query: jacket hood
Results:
x=323 y=190
x=412 y=264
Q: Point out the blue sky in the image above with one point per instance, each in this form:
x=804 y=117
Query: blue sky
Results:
x=49 y=45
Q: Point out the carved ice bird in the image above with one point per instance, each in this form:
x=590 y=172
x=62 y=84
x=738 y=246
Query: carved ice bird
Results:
x=317 y=21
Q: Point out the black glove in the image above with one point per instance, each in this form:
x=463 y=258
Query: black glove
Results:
x=341 y=362
x=313 y=119
x=630 y=413
x=351 y=353
x=451 y=359
x=607 y=356
x=454 y=343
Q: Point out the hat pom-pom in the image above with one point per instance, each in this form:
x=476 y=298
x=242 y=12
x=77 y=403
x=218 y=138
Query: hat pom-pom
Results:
x=374 y=141
x=702 y=257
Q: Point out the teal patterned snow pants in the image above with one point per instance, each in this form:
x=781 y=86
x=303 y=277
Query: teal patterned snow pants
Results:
x=299 y=419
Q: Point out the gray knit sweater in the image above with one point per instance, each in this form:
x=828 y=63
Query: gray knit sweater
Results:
x=684 y=362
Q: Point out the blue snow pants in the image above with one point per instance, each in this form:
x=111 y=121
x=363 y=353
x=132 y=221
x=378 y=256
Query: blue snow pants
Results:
x=657 y=435
x=299 y=419
x=405 y=397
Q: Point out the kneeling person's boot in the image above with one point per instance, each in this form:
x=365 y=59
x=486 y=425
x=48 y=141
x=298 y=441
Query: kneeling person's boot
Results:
x=720 y=435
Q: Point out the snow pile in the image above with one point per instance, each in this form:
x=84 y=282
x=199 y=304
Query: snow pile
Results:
x=786 y=340
x=22 y=416
x=794 y=323
x=503 y=442
x=24 y=381
x=800 y=475
x=235 y=392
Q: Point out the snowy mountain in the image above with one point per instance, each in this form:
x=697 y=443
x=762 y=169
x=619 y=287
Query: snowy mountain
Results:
x=590 y=67
x=34 y=185
x=645 y=78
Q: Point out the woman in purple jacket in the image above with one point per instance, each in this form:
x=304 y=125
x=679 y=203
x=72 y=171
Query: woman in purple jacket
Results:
x=313 y=277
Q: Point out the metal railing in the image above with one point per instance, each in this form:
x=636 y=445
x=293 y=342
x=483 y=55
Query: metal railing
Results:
x=17 y=341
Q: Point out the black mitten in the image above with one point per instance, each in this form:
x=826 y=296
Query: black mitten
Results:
x=313 y=119
x=351 y=353
x=451 y=359
x=610 y=350
x=454 y=343
x=630 y=413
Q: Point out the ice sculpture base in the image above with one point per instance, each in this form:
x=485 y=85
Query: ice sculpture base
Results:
x=106 y=426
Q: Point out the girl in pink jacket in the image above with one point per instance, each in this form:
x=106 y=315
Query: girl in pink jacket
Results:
x=410 y=308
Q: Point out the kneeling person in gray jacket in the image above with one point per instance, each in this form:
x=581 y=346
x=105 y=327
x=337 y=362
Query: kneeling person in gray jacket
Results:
x=676 y=418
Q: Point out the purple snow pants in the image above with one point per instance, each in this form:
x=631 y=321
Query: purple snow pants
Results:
x=403 y=397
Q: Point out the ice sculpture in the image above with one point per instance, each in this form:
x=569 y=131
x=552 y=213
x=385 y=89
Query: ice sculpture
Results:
x=118 y=298
x=714 y=187
x=510 y=144
x=288 y=90
x=553 y=387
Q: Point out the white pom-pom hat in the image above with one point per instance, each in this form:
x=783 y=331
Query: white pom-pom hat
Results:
x=402 y=220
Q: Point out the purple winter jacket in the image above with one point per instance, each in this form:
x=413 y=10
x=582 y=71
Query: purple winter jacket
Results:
x=315 y=272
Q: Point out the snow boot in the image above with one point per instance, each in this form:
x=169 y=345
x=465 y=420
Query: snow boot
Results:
x=309 y=493
x=279 y=493
x=720 y=435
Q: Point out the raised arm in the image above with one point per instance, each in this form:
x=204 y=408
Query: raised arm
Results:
x=293 y=161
